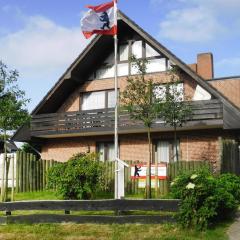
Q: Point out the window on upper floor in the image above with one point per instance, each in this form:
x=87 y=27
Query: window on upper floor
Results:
x=178 y=90
x=140 y=49
x=98 y=100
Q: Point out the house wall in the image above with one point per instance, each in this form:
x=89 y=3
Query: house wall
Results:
x=230 y=88
x=73 y=102
x=193 y=147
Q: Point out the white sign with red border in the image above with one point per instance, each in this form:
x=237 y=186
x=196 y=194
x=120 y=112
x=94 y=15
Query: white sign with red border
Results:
x=139 y=171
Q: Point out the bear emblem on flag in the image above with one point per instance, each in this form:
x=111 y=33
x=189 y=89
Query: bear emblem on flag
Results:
x=101 y=19
x=105 y=19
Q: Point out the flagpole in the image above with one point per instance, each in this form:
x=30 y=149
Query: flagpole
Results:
x=116 y=195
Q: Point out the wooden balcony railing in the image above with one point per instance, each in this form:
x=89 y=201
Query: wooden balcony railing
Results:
x=208 y=112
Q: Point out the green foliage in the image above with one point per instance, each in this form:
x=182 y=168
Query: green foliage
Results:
x=12 y=101
x=141 y=103
x=78 y=178
x=205 y=198
x=13 y=112
x=138 y=98
x=231 y=183
x=27 y=148
x=176 y=109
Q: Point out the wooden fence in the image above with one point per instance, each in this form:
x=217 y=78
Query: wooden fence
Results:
x=31 y=172
x=132 y=185
x=119 y=211
x=230 y=156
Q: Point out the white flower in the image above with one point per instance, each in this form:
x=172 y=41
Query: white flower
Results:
x=193 y=176
x=190 y=186
x=172 y=183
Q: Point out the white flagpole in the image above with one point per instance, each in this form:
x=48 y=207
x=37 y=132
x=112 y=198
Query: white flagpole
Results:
x=116 y=195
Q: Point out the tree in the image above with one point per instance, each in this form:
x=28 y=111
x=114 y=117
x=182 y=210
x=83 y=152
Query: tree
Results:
x=27 y=148
x=175 y=111
x=139 y=100
x=12 y=113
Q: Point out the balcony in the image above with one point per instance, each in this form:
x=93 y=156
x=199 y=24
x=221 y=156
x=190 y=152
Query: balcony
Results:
x=206 y=114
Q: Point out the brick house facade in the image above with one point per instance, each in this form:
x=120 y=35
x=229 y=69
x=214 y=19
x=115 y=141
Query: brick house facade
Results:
x=68 y=100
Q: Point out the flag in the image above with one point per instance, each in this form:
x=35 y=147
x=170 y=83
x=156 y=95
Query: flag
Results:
x=101 y=19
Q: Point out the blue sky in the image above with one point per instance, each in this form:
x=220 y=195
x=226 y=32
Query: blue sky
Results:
x=41 y=38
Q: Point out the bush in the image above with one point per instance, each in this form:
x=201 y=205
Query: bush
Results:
x=231 y=183
x=205 y=198
x=78 y=178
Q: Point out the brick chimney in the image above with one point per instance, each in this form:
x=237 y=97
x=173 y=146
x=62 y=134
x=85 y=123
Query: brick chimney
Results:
x=205 y=65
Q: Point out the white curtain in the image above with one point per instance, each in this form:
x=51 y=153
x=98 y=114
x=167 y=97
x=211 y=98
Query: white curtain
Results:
x=163 y=151
x=111 y=152
x=93 y=100
x=111 y=99
x=101 y=151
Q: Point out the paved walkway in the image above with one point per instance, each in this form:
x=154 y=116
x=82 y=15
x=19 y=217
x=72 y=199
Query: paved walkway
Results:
x=234 y=230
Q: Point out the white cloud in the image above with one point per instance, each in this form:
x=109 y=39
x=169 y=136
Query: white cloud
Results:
x=42 y=45
x=199 y=20
x=190 y=25
x=41 y=51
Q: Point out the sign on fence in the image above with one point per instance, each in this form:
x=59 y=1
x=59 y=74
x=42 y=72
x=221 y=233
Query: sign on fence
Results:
x=139 y=171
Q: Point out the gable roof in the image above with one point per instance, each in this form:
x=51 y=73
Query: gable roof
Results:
x=68 y=82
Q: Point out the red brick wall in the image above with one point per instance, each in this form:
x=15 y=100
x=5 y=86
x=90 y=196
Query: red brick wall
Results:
x=205 y=65
x=229 y=88
x=73 y=102
x=135 y=147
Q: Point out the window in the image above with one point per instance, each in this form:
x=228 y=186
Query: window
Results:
x=140 y=49
x=165 y=151
x=122 y=69
x=137 y=49
x=93 y=100
x=123 y=52
x=98 y=100
x=160 y=91
x=150 y=52
x=105 y=72
x=106 y=151
x=201 y=94
x=156 y=65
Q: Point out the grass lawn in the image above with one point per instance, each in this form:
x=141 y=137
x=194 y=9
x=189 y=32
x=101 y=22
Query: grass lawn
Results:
x=71 y=231
x=44 y=195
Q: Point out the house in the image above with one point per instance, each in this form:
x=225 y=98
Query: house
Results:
x=11 y=147
x=77 y=114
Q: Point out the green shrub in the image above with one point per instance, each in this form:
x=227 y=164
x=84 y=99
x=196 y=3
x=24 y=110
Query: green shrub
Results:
x=78 y=178
x=231 y=183
x=204 y=198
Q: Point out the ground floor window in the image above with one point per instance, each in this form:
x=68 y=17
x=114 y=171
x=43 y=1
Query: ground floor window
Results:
x=165 y=151
x=106 y=151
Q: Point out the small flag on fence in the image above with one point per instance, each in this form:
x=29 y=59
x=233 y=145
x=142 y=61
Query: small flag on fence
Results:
x=100 y=19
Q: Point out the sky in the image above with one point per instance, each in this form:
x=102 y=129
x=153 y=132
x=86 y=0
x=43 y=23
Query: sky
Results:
x=42 y=38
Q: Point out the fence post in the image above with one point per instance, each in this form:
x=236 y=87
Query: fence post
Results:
x=44 y=173
x=17 y=171
x=24 y=171
x=13 y=177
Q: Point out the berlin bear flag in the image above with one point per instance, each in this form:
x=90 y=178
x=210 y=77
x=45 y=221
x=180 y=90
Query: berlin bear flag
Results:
x=101 y=19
